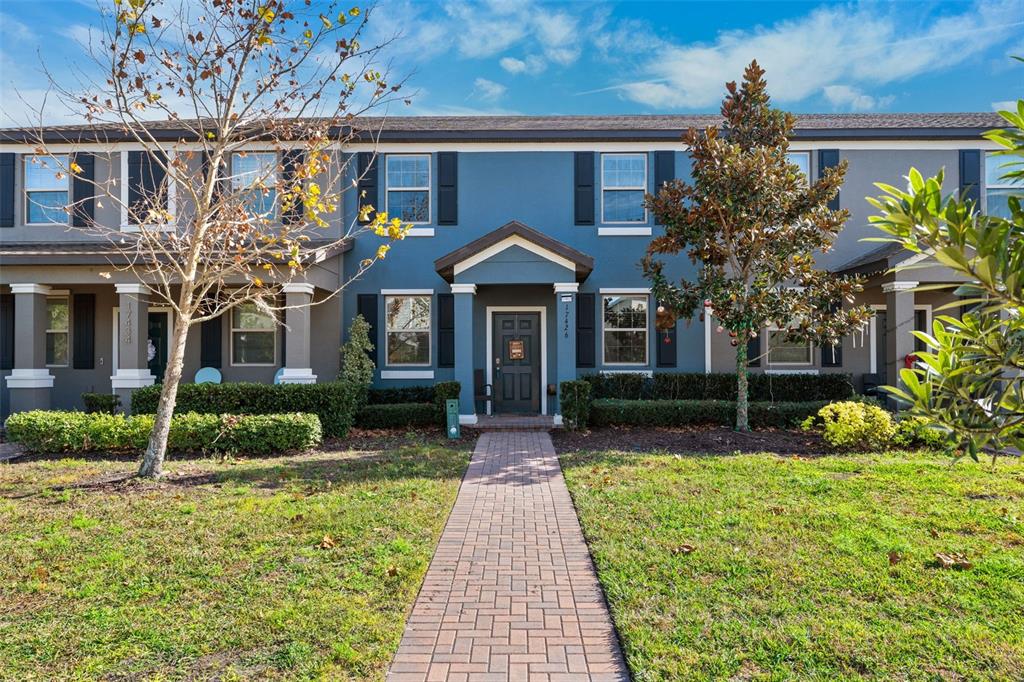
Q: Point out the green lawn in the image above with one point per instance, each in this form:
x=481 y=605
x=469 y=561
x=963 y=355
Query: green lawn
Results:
x=789 y=576
x=217 y=572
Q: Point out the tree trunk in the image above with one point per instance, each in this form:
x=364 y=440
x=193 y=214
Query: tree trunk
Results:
x=742 y=423
x=153 y=462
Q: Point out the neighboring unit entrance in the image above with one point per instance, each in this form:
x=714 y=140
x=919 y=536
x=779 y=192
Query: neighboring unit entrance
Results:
x=156 y=351
x=516 y=362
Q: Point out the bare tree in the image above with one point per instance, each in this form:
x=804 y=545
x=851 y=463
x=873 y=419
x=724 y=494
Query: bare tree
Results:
x=228 y=78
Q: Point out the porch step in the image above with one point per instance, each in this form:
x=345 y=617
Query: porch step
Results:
x=512 y=422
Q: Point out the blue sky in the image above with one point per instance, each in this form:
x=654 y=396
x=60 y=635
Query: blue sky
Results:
x=530 y=57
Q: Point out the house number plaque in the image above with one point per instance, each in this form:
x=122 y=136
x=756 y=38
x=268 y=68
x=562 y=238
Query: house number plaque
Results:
x=516 y=351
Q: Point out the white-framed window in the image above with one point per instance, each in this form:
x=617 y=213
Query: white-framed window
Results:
x=803 y=161
x=58 y=331
x=253 y=336
x=997 y=189
x=783 y=351
x=624 y=329
x=623 y=185
x=47 y=188
x=254 y=176
x=407 y=330
x=408 y=187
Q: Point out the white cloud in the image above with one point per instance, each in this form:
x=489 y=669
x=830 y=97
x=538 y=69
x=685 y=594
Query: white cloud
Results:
x=532 y=65
x=13 y=30
x=488 y=90
x=559 y=36
x=859 y=46
x=849 y=98
x=1005 y=105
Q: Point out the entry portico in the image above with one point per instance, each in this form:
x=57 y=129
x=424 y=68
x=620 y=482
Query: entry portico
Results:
x=502 y=276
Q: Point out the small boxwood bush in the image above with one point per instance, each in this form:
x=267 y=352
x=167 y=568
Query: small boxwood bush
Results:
x=334 y=402
x=575 y=401
x=397 y=416
x=760 y=387
x=696 y=412
x=101 y=402
x=445 y=390
x=850 y=425
x=400 y=394
x=55 y=431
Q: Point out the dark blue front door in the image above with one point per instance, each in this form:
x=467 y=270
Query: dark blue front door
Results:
x=516 y=358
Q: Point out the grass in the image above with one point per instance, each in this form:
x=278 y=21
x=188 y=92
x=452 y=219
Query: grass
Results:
x=216 y=572
x=790 y=577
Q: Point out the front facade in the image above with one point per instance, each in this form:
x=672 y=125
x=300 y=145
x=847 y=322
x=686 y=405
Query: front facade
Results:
x=521 y=269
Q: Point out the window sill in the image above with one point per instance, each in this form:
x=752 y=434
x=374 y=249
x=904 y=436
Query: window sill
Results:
x=420 y=232
x=794 y=370
x=624 y=232
x=407 y=374
x=139 y=228
x=629 y=369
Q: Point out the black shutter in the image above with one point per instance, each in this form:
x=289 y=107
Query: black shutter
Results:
x=447 y=188
x=446 y=330
x=828 y=158
x=366 y=305
x=6 y=331
x=290 y=162
x=83 y=191
x=584 y=188
x=920 y=325
x=210 y=342
x=145 y=183
x=754 y=350
x=664 y=169
x=585 y=330
x=970 y=175
x=7 y=189
x=666 y=342
x=83 y=334
x=366 y=168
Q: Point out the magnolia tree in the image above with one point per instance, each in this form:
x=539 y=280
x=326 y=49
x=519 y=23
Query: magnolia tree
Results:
x=750 y=221
x=970 y=381
x=261 y=96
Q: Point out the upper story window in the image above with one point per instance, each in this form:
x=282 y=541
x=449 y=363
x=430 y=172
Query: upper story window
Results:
x=783 y=351
x=254 y=176
x=408 y=187
x=623 y=185
x=998 y=190
x=407 y=337
x=46 y=189
x=625 y=330
x=253 y=336
x=803 y=161
x=57 y=331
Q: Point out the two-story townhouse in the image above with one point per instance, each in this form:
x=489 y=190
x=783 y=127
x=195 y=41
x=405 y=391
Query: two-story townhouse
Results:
x=520 y=271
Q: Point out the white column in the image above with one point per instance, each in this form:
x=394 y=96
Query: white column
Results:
x=30 y=382
x=132 y=369
x=297 y=362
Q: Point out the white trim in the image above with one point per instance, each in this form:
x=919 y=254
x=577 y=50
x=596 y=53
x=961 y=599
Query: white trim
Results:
x=419 y=231
x=131 y=288
x=635 y=188
x=132 y=378
x=297 y=375
x=231 y=341
x=890 y=287
x=297 y=288
x=424 y=293
x=467 y=419
x=792 y=371
x=428 y=188
x=489 y=312
x=25 y=190
x=38 y=289
x=624 y=232
x=915 y=259
x=645 y=372
x=625 y=290
x=567 y=287
x=407 y=292
x=557 y=420
x=30 y=378
x=637 y=293
x=707 y=340
x=407 y=374
x=508 y=242
x=66 y=298
x=766 y=332
x=464 y=289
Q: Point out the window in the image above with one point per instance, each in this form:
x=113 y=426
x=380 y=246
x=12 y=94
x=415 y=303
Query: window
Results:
x=782 y=351
x=803 y=161
x=408 y=191
x=253 y=336
x=57 y=332
x=254 y=176
x=998 y=190
x=407 y=341
x=623 y=185
x=625 y=330
x=46 y=189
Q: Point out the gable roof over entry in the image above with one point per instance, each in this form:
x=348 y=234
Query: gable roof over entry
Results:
x=515 y=236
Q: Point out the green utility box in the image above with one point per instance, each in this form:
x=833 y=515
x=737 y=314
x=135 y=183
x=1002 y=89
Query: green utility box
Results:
x=451 y=410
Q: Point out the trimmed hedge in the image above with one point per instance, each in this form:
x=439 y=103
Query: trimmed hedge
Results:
x=575 y=403
x=619 y=386
x=695 y=412
x=101 y=402
x=400 y=394
x=334 y=402
x=397 y=415
x=261 y=434
x=720 y=386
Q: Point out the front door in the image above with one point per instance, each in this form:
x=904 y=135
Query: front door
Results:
x=516 y=358
x=156 y=350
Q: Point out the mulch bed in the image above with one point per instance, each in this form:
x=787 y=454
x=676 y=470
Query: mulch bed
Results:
x=710 y=440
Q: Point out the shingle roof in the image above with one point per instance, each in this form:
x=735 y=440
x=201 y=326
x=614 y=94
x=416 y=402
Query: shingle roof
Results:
x=553 y=128
x=876 y=260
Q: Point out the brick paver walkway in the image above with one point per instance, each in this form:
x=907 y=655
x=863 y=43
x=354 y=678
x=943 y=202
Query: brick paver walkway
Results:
x=511 y=592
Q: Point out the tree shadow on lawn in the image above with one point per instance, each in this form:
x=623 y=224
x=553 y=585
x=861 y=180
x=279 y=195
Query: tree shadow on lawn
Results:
x=690 y=441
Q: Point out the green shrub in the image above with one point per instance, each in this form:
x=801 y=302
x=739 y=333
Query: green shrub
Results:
x=574 y=399
x=401 y=394
x=334 y=402
x=356 y=365
x=397 y=416
x=761 y=387
x=619 y=385
x=101 y=402
x=851 y=425
x=445 y=390
x=54 y=431
x=919 y=432
x=696 y=412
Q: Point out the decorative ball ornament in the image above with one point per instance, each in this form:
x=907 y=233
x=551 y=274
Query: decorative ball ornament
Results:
x=719 y=329
x=661 y=309
x=707 y=302
x=734 y=342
